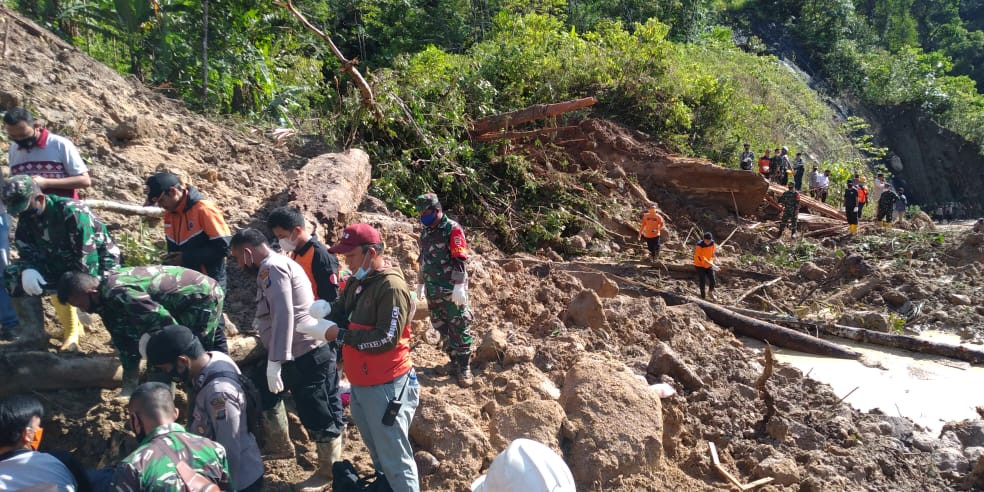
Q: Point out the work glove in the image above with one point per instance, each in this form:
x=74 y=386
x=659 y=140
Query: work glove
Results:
x=31 y=282
x=274 y=383
x=320 y=309
x=421 y=291
x=316 y=330
x=142 y=345
x=855 y=209
x=459 y=295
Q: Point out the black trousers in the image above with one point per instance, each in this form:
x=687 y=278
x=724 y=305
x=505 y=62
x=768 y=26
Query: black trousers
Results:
x=852 y=216
x=861 y=209
x=705 y=275
x=312 y=380
x=653 y=244
x=798 y=178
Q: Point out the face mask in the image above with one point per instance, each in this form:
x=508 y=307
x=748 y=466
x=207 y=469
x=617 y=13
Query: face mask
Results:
x=286 y=245
x=36 y=441
x=362 y=271
x=428 y=219
x=26 y=143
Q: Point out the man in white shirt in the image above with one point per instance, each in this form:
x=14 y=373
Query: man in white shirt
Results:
x=21 y=465
x=823 y=184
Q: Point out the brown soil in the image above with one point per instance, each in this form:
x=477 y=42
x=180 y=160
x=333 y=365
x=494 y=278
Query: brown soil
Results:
x=531 y=377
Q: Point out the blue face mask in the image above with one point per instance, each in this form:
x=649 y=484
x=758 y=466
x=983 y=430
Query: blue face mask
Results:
x=362 y=271
x=428 y=219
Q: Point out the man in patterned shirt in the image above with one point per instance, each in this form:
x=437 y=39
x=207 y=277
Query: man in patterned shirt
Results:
x=54 y=235
x=167 y=455
x=136 y=302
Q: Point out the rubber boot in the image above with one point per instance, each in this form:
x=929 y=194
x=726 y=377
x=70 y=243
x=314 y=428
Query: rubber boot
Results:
x=276 y=435
x=131 y=379
x=328 y=453
x=30 y=333
x=463 y=374
x=71 y=325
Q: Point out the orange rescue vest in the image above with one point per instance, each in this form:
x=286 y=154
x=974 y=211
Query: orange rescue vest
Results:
x=704 y=254
x=652 y=224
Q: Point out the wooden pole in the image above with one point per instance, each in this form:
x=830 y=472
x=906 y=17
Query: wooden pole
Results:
x=525 y=115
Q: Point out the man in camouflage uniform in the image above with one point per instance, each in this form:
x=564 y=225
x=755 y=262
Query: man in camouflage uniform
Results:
x=153 y=466
x=790 y=201
x=136 y=302
x=54 y=235
x=443 y=280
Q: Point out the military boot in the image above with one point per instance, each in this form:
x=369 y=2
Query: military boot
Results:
x=276 y=435
x=463 y=372
x=328 y=453
x=29 y=334
x=131 y=379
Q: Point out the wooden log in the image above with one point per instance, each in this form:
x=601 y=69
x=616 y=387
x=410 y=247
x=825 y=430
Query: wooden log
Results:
x=43 y=370
x=525 y=115
x=779 y=336
x=330 y=188
x=904 y=342
x=534 y=134
x=125 y=208
x=756 y=289
x=857 y=292
x=813 y=204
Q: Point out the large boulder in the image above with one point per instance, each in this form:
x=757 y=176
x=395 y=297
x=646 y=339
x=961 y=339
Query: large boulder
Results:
x=586 y=310
x=330 y=188
x=616 y=423
x=452 y=436
x=539 y=420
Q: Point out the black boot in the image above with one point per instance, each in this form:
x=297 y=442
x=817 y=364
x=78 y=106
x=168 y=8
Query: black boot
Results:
x=463 y=371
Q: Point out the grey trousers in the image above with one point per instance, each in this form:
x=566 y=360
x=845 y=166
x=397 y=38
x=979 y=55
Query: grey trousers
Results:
x=389 y=446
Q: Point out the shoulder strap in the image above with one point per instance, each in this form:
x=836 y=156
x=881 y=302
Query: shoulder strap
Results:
x=222 y=374
x=193 y=480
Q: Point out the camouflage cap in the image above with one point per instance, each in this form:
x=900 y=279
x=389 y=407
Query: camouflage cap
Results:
x=427 y=200
x=18 y=192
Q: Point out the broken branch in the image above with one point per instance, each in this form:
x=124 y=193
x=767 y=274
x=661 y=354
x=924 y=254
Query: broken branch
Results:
x=525 y=115
x=125 y=208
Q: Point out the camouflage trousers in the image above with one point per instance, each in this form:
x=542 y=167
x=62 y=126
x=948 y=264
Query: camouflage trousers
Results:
x=452 y=321
x=792 y=218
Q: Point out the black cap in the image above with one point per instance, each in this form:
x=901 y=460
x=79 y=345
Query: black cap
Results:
x=159 y=183
x=166 y=345
x=708 y=235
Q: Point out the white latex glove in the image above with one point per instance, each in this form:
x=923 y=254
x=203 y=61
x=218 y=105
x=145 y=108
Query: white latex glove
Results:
x=459 y=295
x=421 y=291
x=256 y=324
x=274 y=383
x=144 y=339
x=320 y=309
x=855 y=209
x=317 y=330
x=31 y=282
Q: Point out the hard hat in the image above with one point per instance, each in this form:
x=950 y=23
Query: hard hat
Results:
x=863 y=179
x=526 y=466
x=785 y=148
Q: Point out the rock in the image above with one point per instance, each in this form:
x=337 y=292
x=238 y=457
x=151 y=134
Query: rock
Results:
x=330 y=187
x=777 y=428
x=517 y=354
x=598 y=282
x=951 y=460
x=959 y=299
x=493 y=344
x=616 y=420
x=575 y=244
x=974 y=454
x=894 y=297
x=876 y=322
x=539 y=420
x=452 y=436
x=10 y=100
x=373 y=205
x=783 y=470
x=512 y=266
x=970 y=433
x=924 y=442
x=586 y=310
x=665 y=361
x=427 y=464
x=811 y=271
x=855 y=266
x=131 y=128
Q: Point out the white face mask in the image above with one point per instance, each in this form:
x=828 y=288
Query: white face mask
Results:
x=286 y=245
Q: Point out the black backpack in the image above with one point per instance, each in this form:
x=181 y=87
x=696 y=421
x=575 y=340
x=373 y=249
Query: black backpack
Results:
x=346 y=479
x=254 y=410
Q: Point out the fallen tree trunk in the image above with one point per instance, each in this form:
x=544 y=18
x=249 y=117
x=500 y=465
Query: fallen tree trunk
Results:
x=904 y=342
x=125 y=208
x=813 y=204
x=779 y=336
x=330 y=188
x=541 y=133
x=43 y=370
x=857 y=292
x=525 y=115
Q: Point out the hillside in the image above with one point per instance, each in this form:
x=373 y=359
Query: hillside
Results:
x=564 y=340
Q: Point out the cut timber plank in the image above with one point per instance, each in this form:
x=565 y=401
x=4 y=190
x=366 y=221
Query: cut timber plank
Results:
x=813 y=204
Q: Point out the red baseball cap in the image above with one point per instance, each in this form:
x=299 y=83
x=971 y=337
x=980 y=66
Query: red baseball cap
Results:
x=354 y=236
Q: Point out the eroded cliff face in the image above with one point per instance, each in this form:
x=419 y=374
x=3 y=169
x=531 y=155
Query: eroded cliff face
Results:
x=933 y=164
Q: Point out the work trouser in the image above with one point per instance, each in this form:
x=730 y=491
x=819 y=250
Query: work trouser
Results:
x=705 y=275
x=389 y=445
x=312 y=380
x=822 y=194
x=788 y=218
x=852 y=216
x=452 y=321
x=798 y=178
x=653 y=244
x=8 y=317
x=861 y=209
x=884 y=214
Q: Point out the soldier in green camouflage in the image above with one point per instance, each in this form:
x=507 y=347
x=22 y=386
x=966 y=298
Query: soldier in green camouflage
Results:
x=164 y=444
x=442 y=277
x=136 y=302
x=54 y=235
x=790 y=201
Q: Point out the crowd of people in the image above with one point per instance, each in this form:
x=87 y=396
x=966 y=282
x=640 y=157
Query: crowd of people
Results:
x=317 y=322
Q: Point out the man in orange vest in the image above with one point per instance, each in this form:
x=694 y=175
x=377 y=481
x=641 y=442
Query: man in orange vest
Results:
x=651 y=228
x=862 y=193
x=765 y=165
x=298 y=244
x=704 y=263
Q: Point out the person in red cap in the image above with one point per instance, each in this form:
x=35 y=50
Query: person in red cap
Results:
x=371 y=319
